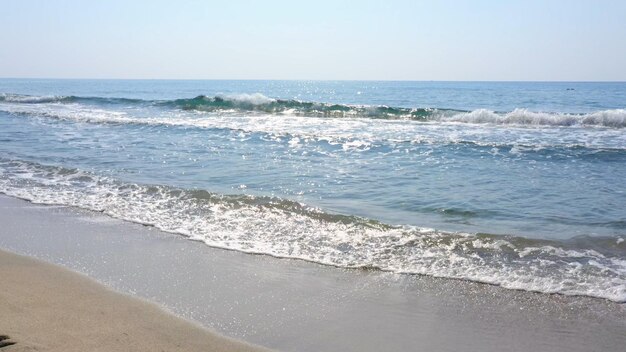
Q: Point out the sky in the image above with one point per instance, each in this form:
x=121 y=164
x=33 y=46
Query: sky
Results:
x=481 y=40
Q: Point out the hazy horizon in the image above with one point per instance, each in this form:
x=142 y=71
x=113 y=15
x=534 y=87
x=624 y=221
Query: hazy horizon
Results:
x=310 y=80
x=484 y=41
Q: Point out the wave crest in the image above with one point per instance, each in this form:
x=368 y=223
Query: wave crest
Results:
x=33 y=99
x=245 y=104
x=259 y=103
x=608 y=118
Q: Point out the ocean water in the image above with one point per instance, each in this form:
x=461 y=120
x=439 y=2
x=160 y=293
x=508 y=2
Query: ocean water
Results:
x=514 y=184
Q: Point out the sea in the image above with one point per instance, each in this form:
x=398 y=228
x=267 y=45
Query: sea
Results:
x=515 y=184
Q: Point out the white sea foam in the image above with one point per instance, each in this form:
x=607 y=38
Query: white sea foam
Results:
x=253 y=104
x=254 y=99
x=294 y=231
x=608 y=118
x=348 y=131
x=18 y=98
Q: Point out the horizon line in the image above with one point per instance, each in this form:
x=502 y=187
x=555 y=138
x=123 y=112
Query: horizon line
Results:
x=310 y=80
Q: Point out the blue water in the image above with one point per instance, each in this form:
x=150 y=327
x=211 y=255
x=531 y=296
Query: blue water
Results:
x=510 y=183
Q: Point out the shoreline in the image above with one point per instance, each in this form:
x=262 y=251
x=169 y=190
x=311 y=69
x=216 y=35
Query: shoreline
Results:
x=292 y=305
x=49 y=308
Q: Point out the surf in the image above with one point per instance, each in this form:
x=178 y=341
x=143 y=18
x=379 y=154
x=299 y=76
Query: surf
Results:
x=287 y=229
x=257 y=103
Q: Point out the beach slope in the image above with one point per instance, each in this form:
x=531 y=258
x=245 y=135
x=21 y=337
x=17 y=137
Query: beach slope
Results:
x=44 y=307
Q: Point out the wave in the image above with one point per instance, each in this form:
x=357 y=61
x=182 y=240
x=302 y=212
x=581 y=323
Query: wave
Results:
x=608 y=118
x=352 y=135
x=238 y=104
x=259 y=103
x=615 y=118
x=32 y=99
x=588 y=266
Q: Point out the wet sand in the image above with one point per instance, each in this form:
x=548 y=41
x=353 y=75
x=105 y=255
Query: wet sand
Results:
x=44 y=307
x=292 y=305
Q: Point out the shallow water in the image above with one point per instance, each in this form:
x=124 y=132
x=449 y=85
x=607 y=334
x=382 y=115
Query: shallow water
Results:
x=515 y=184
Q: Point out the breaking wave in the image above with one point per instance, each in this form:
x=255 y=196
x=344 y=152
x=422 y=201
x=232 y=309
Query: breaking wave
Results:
x=589 y=266
x=261 y=104
x=608 y=118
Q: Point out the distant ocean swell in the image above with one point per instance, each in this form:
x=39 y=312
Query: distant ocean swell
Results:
x=283 y=228
x=260 y=104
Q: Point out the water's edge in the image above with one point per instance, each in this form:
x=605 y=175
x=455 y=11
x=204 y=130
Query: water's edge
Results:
x=287 y=229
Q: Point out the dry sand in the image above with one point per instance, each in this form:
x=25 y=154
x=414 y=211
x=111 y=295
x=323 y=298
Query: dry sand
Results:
x=44 y=307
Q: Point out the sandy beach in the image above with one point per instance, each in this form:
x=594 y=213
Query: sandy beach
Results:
x=48 y=308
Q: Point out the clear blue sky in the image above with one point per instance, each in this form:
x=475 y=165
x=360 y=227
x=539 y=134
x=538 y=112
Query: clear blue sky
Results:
x=387 y=40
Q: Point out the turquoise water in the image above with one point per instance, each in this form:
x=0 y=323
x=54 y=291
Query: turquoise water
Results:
x=515 y=184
